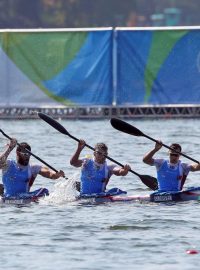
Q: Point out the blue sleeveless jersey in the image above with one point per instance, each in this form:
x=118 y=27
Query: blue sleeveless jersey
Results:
x=15 y=180
x=169 y=179
x=93 y=178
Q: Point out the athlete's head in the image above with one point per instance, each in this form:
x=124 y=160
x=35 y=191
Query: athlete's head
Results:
x=174 y=156
x=176 y=147
x=23 y=156
x=101 y=150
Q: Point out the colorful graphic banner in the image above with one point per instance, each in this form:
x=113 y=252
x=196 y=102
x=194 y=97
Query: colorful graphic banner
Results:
x=158 y=67
x=54 y=68
x=80 y=67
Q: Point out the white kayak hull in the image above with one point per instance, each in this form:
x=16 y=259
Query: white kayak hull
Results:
x=191 y=194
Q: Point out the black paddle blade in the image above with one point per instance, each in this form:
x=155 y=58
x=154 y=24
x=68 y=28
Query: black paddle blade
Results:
x=53 y=123
x=78 y=186
x=149 y=181
x=1 y=189
x=125 y=127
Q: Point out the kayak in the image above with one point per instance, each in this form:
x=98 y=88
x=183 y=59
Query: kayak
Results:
x=25 y=198
x=190 y=194
x=113 y=195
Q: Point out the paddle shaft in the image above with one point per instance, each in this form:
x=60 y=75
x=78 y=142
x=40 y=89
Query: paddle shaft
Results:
x=166 y=146
x=111 y=159
x=149 y=181
x=52 y=168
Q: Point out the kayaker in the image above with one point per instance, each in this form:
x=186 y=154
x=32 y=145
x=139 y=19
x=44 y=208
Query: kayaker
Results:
x=18 y=176
x=95 y=172
x=172 y=173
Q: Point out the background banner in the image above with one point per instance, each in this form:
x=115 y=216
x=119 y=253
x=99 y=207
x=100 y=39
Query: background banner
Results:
x=99 y=67
x=53 y=68
x=158 y=66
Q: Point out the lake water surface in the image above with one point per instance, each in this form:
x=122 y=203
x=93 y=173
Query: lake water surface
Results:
x=61 y=233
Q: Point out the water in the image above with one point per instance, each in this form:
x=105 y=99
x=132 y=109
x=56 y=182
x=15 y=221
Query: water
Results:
x=60 y=233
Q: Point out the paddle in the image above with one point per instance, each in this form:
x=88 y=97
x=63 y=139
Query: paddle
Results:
x=127 y=128
x=149 y=181
x=52 y=168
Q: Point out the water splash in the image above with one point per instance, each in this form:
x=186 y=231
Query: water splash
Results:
x=64 y=191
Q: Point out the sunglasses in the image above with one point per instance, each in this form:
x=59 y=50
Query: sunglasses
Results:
x=26 y=154
x=101 y=153
x=174 y=155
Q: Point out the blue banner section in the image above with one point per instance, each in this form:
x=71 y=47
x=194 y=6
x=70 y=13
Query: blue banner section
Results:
x=87 y=79
x=158 y=67
x=132 y=54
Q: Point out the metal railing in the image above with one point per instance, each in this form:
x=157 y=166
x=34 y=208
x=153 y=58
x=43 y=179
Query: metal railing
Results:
x=101 y=112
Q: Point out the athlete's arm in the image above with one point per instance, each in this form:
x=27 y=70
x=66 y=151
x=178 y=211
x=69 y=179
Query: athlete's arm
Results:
x=5 y=154
x=45 y=172
x=194 y=167
x=148 y=158
x=75 y=161
x=121 y=171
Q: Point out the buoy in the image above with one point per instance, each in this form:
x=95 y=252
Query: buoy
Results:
x=192 y=251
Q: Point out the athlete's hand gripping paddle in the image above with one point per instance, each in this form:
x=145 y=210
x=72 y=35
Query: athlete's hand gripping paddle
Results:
x=129 y=129
x=149 y=181
x=38 y=158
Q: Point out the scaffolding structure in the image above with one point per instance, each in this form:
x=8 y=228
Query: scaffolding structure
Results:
x=102 y=112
